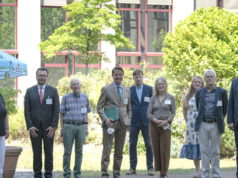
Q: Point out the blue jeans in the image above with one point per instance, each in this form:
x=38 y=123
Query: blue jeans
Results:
x=134 y=132
x=73 y=133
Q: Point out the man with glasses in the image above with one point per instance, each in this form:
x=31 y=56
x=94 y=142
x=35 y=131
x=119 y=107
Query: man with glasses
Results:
x=41 y=108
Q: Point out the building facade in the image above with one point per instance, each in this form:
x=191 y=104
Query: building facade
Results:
x=25 y=23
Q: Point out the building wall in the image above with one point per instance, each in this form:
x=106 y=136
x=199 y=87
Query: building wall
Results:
x=28 y=29
x=28 y=25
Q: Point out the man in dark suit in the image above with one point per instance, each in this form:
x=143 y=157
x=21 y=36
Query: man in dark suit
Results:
x=42 y=115
x=211 y=102
x=140 y=97
x=232 y=114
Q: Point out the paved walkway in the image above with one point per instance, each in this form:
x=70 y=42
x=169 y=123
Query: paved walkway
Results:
x=29 y=174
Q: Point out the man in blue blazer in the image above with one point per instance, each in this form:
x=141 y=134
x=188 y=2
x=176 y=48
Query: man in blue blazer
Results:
x=140 y=97
x=232 y=114
x=41 y=108
x=211 y=102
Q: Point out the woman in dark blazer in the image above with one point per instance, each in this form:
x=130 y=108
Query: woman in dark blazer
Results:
x=4 y=132
x=161 y=112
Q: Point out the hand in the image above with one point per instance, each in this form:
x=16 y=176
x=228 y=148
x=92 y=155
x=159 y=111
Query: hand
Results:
x=108 y=122
x=231 y=126
x=50 y=132
x=163 y=123
x=6 y=133
x=156 y=121
x=33 y=132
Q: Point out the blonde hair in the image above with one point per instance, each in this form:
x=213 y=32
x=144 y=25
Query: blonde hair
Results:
x=191 y=91
x=162 y=79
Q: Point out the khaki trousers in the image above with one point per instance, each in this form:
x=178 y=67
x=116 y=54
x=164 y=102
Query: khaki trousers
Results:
x=119 y=139
x=209 y=140
x=161 y=140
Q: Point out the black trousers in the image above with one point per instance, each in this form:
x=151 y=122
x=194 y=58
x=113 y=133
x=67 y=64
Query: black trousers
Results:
x=236 y=139
x=37 y=154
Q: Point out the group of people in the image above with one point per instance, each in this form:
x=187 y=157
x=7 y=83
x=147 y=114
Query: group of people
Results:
x=138 y=108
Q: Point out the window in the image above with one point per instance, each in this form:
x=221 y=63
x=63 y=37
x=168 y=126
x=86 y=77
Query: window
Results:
x=52 y=18
x=145 y=23
x=7 y=24
x=220 y=3
x=8 y=34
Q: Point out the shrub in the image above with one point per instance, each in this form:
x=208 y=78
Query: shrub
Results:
x=228 y=144
x=17 y=125
x=9 y=95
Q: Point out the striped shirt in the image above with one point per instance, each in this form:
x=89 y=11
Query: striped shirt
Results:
x=75 y=108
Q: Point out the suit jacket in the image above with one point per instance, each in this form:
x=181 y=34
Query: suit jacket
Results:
x=232 y=114
x=139 y=109
x=44 y=114
x=108 y=98
x=220 y=111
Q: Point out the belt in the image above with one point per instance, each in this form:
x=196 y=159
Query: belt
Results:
x=75 y=122
x=209 y=120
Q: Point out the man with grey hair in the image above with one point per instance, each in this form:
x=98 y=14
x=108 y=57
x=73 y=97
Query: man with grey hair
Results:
x=74 y=119
x=211 y=102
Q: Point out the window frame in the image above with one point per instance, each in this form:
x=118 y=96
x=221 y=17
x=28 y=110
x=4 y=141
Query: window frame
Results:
x=146 y=53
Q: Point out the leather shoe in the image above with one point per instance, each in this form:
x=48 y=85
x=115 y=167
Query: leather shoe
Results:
x=151 y=172
x=116 y=175
x=131 y=172
x=105 y=175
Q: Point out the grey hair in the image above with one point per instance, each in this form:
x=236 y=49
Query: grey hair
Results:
x=74 y=80
x=210 y=71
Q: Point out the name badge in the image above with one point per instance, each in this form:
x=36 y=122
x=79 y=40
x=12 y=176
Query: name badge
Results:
x=83 y=110
x=147 y=99
x=125 y=101
x=168 y=102
x=49 y=100
x=219 y=103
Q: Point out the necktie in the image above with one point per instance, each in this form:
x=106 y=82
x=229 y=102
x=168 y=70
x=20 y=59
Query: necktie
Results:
x=41 y=95
x=118 y=94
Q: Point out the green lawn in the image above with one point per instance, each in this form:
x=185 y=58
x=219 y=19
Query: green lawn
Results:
x=92 y=156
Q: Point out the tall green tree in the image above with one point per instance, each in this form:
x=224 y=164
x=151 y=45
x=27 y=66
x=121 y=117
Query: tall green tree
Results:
x=208 y=38
x=87 y=22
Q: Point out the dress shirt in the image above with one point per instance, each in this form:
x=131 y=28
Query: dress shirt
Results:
x=210 y=105
x=72 y=106
x=139 y=92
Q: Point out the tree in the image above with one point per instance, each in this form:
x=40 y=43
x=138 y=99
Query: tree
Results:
x=206 y=39
x=87 y=22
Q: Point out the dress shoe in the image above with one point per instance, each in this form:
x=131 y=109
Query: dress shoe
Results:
x=105 y=175
x=131 y=172
x=116 y=175
x=151 y=172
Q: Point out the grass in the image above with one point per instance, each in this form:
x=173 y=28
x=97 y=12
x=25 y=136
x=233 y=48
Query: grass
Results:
x=92 y=160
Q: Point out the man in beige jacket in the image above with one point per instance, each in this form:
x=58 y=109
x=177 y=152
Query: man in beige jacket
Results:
x=114 y=109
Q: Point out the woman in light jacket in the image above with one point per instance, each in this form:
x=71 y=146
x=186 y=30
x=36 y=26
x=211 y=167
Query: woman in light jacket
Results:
x=161 y=112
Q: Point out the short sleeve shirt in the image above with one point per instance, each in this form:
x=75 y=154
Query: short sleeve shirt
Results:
x=75 y=107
